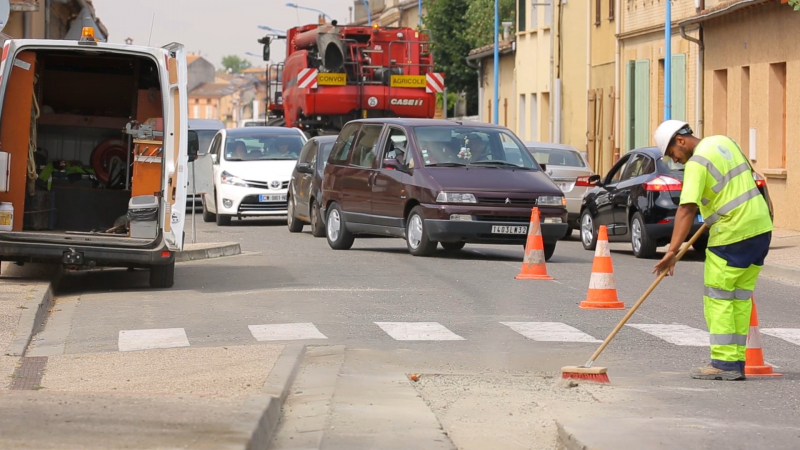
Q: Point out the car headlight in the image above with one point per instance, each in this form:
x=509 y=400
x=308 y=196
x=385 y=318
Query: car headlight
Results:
x=450 y=197
x=552 y=200
x=227 y=178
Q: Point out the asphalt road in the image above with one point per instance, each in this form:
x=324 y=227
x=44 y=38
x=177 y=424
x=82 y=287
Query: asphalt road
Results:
x=365 y=297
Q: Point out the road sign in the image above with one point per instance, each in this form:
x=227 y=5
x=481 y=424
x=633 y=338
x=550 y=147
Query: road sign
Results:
x=408 y=81
x=332 y=79
x=434 y=82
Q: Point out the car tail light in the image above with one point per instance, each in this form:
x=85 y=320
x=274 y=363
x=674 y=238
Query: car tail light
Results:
x=582 y=182
x=760 y=181
x=663 y=183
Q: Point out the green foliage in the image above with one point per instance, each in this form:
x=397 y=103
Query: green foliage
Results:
x=795 y=4
x=451 y=45
x=481 y=20
x=235 y=64
x=452 y=98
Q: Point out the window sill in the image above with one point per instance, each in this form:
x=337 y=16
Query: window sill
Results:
x=774 y=173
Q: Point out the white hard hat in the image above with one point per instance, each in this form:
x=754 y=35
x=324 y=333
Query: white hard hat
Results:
x=666 y=131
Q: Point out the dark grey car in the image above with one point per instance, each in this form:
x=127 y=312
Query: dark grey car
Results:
x=305 y=187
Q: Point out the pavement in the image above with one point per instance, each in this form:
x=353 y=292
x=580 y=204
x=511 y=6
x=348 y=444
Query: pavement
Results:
x=486 y=349
x=783 y=260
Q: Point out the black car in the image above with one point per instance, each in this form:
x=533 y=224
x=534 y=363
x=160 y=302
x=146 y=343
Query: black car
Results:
x=637 y=201
x=305 y=187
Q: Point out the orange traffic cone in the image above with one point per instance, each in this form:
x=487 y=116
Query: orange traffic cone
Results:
x=533 y=265
x=602 y=288
x=754 y=358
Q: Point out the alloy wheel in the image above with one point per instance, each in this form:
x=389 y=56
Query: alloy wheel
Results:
x=415 y=231
x=636 y=235
x=334 y=222
x=587 y=230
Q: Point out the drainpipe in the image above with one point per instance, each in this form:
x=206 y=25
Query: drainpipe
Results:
x=47 y=19
x=668 y=62
x=26 y=25
x=616 y=126
x=496 y=101
x=589 y=30
x=555 y=85
x=699 y=112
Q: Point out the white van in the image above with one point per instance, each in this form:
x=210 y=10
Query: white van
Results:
x=97 y=138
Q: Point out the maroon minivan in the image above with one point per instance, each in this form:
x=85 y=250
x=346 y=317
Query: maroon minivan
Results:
x=436 y=181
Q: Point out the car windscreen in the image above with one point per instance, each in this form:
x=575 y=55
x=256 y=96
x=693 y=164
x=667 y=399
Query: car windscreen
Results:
x=263 y=147
x=453 y=146
x=557 y=157
x=201 y=139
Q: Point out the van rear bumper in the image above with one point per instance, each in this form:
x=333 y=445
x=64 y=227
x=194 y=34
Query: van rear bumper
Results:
x=91 y=256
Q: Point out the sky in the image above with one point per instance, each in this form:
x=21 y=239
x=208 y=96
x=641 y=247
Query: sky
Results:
x=212 y=28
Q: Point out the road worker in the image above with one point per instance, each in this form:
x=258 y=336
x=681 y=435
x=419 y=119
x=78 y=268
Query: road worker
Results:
x=718 y=180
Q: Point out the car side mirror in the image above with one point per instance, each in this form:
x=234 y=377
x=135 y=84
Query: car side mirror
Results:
x=304 y=168
x=392 y=164
x=594 y=179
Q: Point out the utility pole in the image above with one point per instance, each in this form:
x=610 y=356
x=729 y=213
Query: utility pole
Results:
x=495 y=110
x=668 y=63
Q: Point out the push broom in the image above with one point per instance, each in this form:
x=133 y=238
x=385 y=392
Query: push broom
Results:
x=598 y=374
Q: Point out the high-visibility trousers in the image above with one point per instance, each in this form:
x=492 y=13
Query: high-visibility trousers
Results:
x=730 y=277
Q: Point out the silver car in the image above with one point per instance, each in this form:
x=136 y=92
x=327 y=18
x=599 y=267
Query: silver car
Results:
x=569 y=169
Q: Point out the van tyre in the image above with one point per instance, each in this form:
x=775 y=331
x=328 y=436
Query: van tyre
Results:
x=643 y=245
x=453 y=246
x=295 y=225
x=336 y=229
x=549 y=250
x=162 y=276
x=208 y=216
x=417 y=234
x=317 y=227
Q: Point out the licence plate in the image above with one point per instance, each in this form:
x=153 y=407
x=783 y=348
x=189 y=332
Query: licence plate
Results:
x=272 y=198
x=500 y=229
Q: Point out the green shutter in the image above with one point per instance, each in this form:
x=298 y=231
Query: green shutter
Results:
x=630 y=94
x=642 y=101
x=679 y=86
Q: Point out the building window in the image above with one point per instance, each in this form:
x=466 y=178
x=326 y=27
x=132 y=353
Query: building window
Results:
x=521 y=18
x=209 y=112
x=534 y=118
x=611 y=9
x=196 y=112
x=719 y=93
x=597 y=13
x=548 y=13
x=777 y=115
x=534 y=15
x=521 y=128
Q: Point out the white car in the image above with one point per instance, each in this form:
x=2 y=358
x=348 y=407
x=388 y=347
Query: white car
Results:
x=570 y=170
x=251 y=169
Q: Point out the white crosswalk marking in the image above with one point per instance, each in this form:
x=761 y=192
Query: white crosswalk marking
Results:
x=550 y=332
x=285 y=332
x=418 y=331
x=675 y=334
x=130 y=340
x=787 y=334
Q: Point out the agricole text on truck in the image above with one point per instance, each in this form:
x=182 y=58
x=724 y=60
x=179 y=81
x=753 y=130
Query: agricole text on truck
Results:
x=334 y=74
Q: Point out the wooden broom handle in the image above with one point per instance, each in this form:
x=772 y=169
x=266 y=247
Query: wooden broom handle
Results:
x=648 y=292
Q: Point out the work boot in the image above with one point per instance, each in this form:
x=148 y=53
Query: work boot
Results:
x=712 y=373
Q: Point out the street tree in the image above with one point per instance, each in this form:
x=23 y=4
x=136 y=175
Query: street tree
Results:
x=235 y=64
x=451 y=45
x=480 y=17
x=795 y=4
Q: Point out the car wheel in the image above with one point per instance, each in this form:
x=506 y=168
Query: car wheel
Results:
x=317 y=227
x=208 y=216
x=588 y=231
x=294 y=224
x=643 y=246
x=338 y=236
x=417 y=236
x=453 y=246
x=549 y=249
x=162 y=276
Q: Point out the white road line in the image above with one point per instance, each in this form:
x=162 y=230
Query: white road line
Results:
x=418 y=331
x=550 y=332
x=787 y=334
x=675 y=334
x=130 y=340
x=285 y=332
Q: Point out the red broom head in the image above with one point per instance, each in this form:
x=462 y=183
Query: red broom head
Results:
x=591 y=374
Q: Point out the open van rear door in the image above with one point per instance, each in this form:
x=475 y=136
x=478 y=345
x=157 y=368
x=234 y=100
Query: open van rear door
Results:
x=175 y=154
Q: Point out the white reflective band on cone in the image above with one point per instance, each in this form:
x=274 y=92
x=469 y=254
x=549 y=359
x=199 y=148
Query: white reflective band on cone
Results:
x=754 y=338
x=602 y=281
